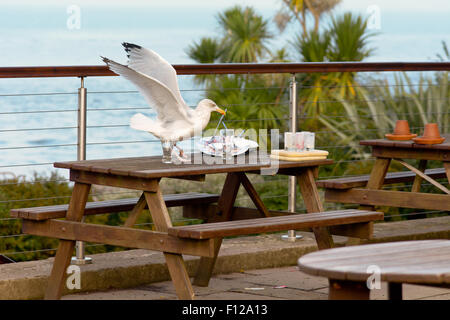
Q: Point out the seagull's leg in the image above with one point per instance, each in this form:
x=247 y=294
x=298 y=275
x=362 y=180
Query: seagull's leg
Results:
x=181 y=156
x=179 y=149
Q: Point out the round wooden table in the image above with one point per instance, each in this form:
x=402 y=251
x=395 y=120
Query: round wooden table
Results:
x=354 y=271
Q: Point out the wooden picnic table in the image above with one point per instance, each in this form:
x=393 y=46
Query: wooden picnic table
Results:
x=204 y=240
x=349 y=269
x=145 y=173
x=385 y=151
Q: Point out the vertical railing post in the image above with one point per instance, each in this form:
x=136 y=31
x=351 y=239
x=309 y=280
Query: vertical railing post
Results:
x=81 y=155
x=292 y=182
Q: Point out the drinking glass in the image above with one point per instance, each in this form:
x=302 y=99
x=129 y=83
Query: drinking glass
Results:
x=167 y=147
x=309 y=140
x=289 y=143
x=299 y=141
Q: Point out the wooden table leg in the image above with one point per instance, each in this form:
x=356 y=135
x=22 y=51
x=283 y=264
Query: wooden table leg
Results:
x=311 y=198
x=75 y=212
x=253 y=195
x=225 y=205
x=348 y=290
x=395 y=291
x=175 y=262
x=447 y=170
x=377 y=176
x=134 y=214
x=418 y=179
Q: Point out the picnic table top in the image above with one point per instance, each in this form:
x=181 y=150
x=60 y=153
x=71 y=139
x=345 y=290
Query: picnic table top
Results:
x=409 y=144
x=426 y=262
x=152 y=167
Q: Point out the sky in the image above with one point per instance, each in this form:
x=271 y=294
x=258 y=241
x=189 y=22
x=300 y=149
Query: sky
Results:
x=356 y=5
x=406 y=29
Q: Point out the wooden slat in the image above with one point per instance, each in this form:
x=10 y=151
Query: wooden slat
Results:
x=447 y=170
x=274 y=224
x=274 y=220
x=423 y=176
x=391 y=178
x=117 y=236
x=152 y=167
x=438 y=153
x=418 y=179
x=356 y=230
x=391 y=198
x=110 y=206
x=409 y=144
x=106 y=179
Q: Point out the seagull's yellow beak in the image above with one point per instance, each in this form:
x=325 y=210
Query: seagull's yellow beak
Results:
x=219 y=110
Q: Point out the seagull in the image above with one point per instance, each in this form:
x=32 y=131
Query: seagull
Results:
x=156 y=80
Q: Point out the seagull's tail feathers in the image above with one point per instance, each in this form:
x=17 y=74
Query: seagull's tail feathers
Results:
x=141 y=122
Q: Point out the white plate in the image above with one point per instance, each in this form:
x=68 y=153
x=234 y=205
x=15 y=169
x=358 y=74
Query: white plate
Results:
x=207 y=144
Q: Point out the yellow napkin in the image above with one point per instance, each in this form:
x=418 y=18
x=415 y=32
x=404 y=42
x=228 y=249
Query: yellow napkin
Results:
x=295 y=154
x=298 y=156
x=272 y=156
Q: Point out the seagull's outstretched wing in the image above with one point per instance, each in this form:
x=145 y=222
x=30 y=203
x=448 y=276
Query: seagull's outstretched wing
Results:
x=157 y=94
x=152 y=64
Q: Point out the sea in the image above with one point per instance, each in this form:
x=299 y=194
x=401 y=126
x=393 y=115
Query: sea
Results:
x=38 y=116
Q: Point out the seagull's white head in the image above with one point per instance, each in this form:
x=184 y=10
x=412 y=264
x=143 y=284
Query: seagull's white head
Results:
x=207 y=105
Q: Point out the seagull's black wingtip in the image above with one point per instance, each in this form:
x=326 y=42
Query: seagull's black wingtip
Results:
x=129 y=46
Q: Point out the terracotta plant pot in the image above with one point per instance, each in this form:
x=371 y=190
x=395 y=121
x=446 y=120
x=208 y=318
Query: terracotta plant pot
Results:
x=402 y=127
x=431 y=135
x=431 y=131
x=401 y=131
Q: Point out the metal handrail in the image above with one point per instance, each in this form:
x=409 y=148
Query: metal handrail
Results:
x=230 y=68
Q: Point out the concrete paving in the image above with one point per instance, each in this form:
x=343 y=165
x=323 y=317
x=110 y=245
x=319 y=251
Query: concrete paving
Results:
x=286 y=283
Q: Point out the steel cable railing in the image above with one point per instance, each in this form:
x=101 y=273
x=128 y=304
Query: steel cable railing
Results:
x=321 y=137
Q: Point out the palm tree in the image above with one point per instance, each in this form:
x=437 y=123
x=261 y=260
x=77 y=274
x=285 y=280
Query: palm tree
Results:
x=245 y=35
x=344 y=40
x=349 y=38
x=206 y=51
x=446 y=52
x=251 y=102
x=298 y=10
x=314 y=47
x=349 y=43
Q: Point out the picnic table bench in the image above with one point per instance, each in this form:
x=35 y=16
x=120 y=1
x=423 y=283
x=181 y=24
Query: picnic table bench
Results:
x=366 y=190
x=204 y=240
x=184 y=200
